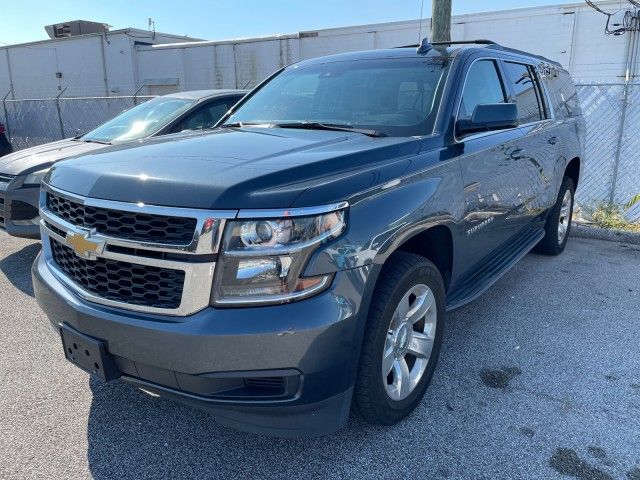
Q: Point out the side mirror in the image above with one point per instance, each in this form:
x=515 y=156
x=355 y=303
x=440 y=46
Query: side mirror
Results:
x=491 y=116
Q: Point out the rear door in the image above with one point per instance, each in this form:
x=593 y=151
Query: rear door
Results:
x=488 y=163
x=539 y=146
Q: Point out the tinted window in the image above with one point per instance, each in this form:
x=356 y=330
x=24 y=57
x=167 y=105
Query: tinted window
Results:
x=141 y=121
x=206 y=116
x=397 y=97
x=562 y=91
x=482 y=86
x=524 y=85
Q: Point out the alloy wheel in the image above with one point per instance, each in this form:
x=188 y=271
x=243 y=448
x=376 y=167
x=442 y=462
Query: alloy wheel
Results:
x=565 y=216
x=409 y=342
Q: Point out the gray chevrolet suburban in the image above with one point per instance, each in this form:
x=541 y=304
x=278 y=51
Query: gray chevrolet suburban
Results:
x=300 y=260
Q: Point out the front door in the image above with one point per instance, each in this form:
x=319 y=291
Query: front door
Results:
x=492 y=190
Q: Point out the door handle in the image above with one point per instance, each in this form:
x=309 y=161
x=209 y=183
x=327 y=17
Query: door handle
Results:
x=518 y=153
x=553 y=140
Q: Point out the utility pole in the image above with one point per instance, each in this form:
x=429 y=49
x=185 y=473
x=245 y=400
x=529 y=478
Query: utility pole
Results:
x=441 y=21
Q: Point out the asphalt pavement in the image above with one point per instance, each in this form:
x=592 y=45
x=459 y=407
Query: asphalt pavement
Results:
x=539 y=378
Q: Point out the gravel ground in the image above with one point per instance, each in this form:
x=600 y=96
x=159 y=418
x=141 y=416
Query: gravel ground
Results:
x=539 y=378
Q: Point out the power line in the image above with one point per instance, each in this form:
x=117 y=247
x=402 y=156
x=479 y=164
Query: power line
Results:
x=630 y=20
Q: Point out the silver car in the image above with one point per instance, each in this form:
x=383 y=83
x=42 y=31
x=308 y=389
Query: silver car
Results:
x=22 y=171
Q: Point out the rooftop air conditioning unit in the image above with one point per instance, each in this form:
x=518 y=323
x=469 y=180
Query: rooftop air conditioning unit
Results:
x=75 y=28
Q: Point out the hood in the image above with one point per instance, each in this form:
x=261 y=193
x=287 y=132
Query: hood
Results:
x=44 y=156
x=235 y=168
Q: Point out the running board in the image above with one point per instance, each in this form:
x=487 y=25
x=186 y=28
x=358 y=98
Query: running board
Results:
x=493 y=267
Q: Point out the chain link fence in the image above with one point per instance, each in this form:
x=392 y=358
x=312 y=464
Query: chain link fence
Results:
x=611 y=173
x=33 y=122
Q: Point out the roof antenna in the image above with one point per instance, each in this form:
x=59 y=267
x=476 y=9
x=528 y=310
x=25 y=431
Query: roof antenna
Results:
x=420 y=24
x=425 y=46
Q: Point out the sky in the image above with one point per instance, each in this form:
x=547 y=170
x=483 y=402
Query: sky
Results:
x=23 y=21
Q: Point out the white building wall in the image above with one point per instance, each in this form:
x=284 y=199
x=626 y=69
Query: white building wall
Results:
x=85 y=71
x=572 y=34
x=597 y=57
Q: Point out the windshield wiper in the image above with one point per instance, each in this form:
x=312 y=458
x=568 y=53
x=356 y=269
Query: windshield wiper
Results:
x=242 y=124
x=330 y=126
x=87 y=140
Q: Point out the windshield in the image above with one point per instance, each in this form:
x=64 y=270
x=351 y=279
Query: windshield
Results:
x=141 y=121
x=397 y=97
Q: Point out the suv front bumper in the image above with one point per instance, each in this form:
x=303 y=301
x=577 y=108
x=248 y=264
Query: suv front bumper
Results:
x=19 y=211
x=209 y=358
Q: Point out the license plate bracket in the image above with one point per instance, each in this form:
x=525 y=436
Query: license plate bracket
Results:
x=88 y=354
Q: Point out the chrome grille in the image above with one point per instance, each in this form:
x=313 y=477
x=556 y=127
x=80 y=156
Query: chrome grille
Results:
x=122 y=281
x=90 y=249
x=122 y=224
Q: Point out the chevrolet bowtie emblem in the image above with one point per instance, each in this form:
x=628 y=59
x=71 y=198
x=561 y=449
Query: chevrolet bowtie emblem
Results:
x=84 y=246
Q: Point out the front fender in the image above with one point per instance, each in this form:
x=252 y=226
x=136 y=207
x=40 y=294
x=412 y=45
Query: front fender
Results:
x=381 y=219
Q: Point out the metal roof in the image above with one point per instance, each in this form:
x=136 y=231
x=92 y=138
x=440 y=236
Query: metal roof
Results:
x=122 y=31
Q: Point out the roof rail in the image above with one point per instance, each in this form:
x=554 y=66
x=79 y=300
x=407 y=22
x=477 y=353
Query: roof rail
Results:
x=526 y=54
x=480 y=41
x=456 y=42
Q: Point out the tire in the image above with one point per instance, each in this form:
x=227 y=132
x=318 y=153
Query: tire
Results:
x=402 y=273
x=552 y=243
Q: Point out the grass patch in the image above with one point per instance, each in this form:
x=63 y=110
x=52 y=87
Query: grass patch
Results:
x=612 y=217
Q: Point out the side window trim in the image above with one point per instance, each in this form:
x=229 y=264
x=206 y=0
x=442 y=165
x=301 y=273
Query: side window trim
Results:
x=546 y=90
x=541 y=96
x=536 y=86
x=499 y=72
x=506 y=91
x=536 y=91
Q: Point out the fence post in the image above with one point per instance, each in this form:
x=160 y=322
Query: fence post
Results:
x=135 y=95
x=6 y=115
x=60 y=114
x=623 y=121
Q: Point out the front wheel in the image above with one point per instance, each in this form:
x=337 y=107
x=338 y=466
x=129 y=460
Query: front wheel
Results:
x=558 y=223
x=402 y=339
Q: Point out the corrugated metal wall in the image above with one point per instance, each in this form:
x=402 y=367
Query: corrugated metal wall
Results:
x=572 y=34
x=88 y=65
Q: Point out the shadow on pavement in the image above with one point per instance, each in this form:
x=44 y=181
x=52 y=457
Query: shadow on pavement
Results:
x=131 y=435
x=17 y=267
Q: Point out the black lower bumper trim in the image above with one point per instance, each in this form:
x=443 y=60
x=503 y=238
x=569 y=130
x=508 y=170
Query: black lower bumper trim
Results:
x=287 y=421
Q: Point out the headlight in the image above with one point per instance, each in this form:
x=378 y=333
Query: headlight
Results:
x=262 y=260
x=35 y=178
